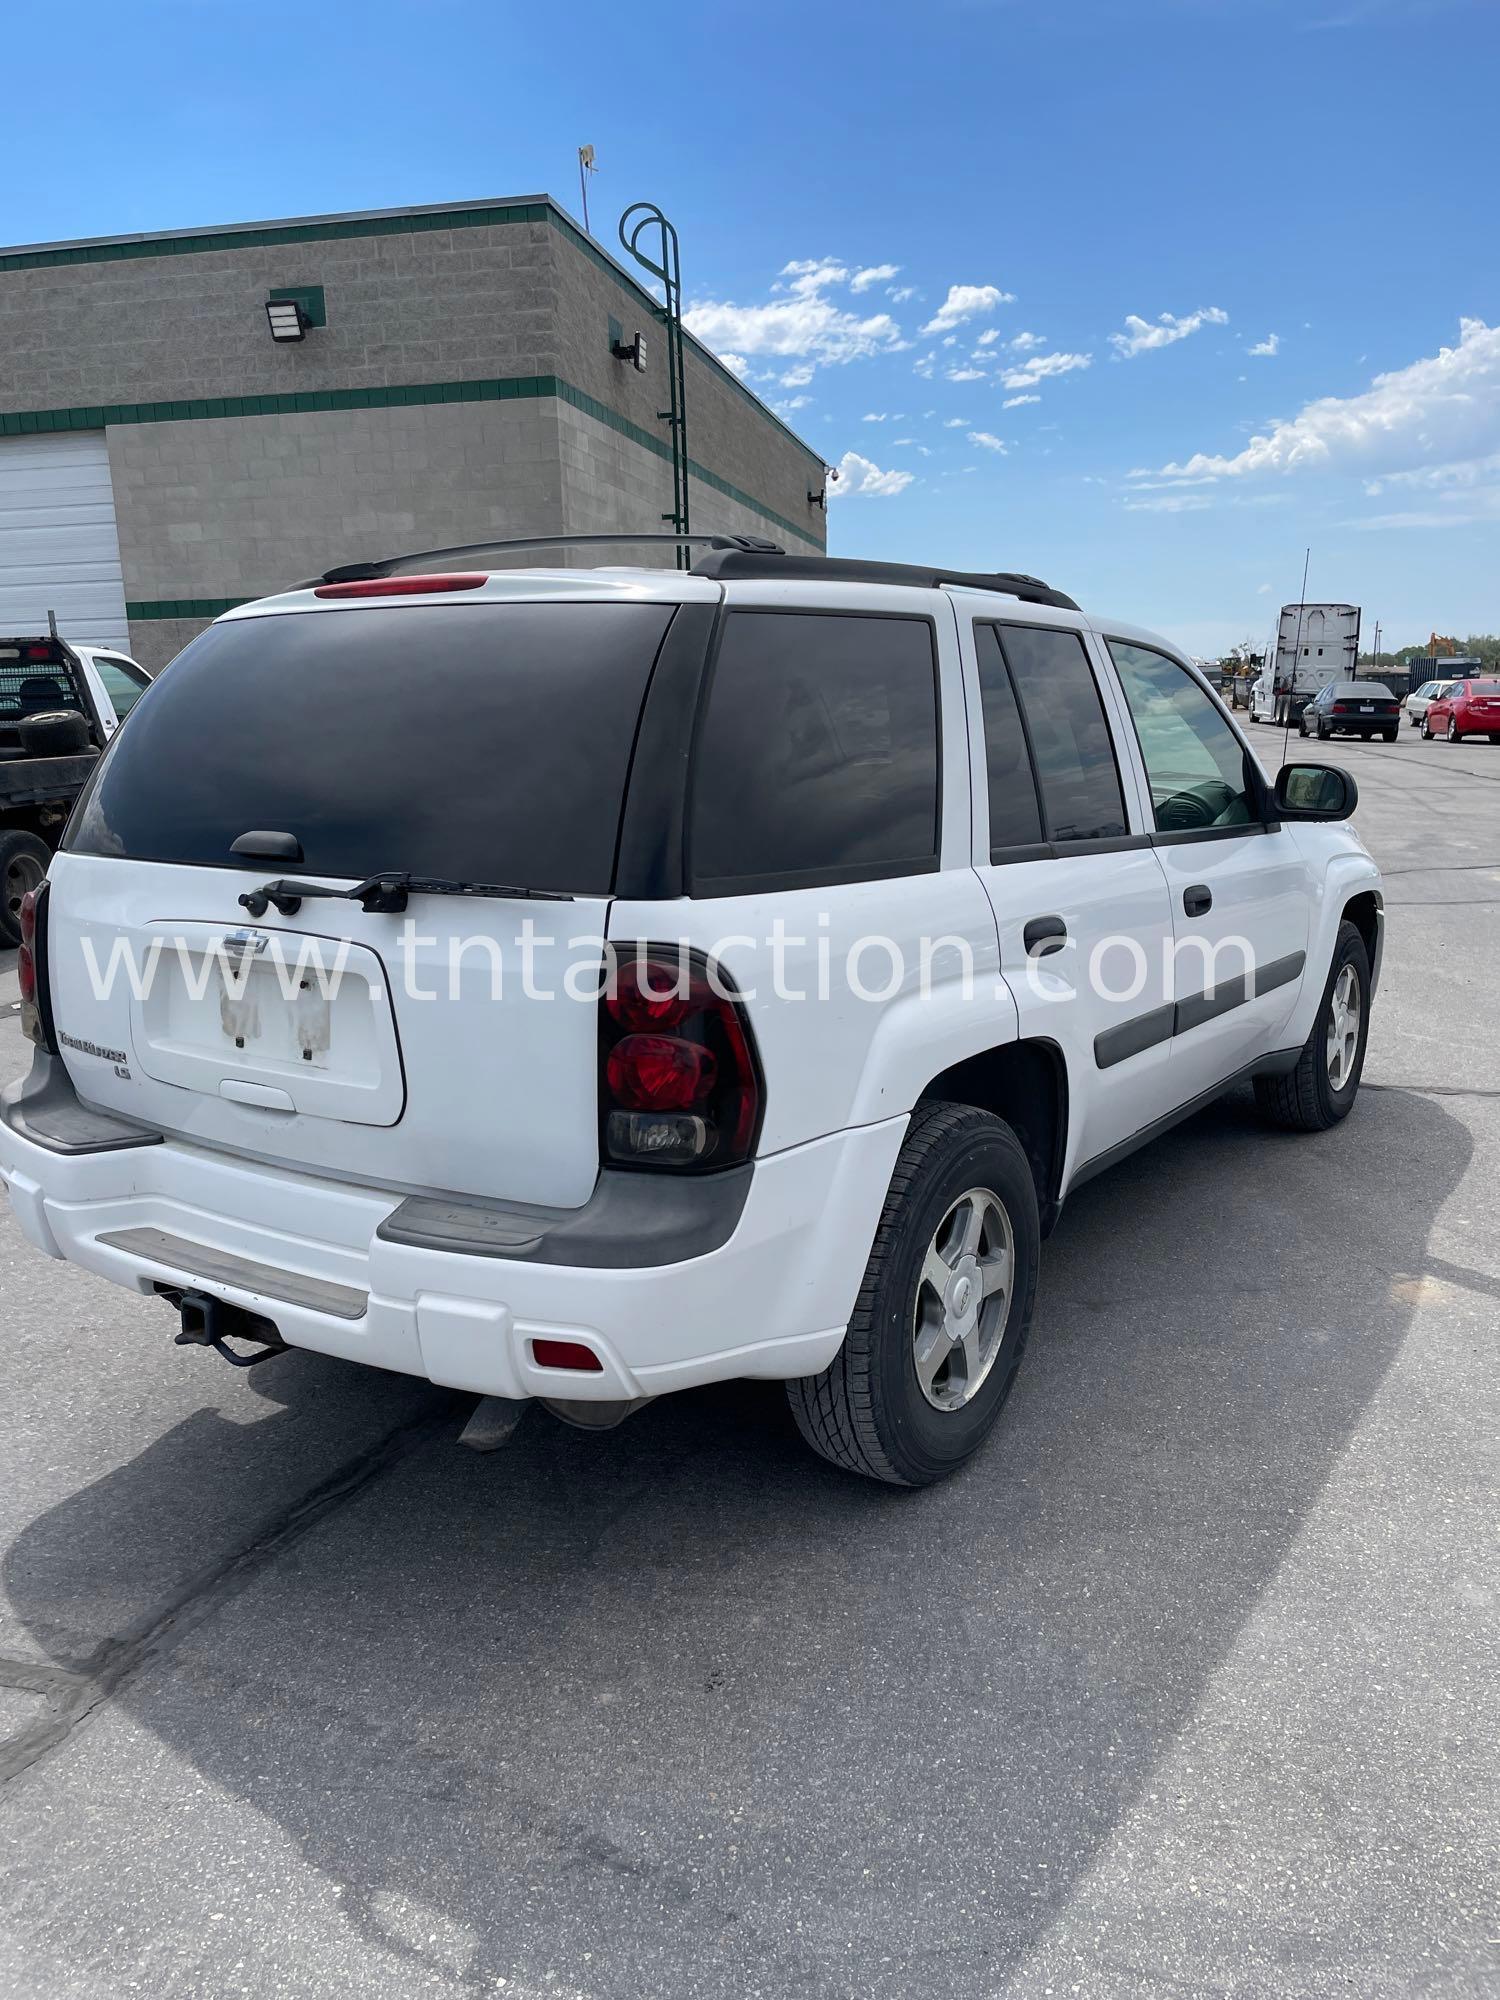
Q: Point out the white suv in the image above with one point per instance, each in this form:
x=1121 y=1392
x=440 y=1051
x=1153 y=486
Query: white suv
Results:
x=576 y=985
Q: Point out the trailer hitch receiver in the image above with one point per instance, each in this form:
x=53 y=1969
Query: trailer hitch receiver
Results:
x=210 y=1322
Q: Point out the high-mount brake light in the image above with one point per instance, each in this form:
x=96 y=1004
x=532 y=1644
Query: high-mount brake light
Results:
x=403 y=586
x=679 y=1083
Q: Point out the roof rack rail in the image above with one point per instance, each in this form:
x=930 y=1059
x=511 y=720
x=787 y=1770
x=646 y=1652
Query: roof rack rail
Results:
x=412 y=565
x=735 y=562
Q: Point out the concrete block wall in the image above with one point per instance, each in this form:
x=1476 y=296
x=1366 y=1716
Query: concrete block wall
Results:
x=505 y=298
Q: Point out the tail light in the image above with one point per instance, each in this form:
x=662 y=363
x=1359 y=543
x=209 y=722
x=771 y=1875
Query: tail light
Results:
x=1339 y=708
x=680 y=1087
x=31 y=970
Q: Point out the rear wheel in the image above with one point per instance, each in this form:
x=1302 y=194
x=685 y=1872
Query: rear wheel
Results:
x=1322 y=1088
x=23 y=867
x=943 y=1312
x=1390 y=734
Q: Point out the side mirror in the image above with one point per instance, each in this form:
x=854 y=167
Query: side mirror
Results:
x=1314 y=791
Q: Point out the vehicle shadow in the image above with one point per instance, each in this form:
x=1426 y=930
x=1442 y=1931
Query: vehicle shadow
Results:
x=681 y=1710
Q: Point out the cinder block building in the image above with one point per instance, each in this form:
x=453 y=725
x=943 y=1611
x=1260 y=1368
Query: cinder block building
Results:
x=163 y=456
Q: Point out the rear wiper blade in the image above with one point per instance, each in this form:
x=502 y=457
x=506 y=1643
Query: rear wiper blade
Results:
x=385 y=894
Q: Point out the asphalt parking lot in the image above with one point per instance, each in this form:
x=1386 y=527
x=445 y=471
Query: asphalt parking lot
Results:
x=1186 y=1687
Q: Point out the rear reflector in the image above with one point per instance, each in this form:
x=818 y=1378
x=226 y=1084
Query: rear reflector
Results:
x=403 y=586
x=566 y=1354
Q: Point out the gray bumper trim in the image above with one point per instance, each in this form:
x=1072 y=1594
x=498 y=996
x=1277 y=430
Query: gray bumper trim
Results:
x=631 y=1222
x=45 y=1108
x=202 y=1261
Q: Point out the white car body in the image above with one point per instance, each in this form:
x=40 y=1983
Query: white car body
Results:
x=1421 y=699
x=412 y=1205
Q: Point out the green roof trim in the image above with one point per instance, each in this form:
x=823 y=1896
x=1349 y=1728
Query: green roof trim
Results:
x=509 y=388
x=335 y=229
x=183 y=607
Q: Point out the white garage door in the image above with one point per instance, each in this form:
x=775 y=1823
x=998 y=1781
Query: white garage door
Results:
x=58 y=547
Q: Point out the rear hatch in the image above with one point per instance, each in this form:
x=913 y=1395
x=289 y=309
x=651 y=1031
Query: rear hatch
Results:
x=482 y=742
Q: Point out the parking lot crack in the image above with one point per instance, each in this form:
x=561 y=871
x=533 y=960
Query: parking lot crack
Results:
x=75 y=1696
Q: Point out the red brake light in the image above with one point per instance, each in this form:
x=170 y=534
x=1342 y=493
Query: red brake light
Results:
x=660 y=1072
x=689 y=1098
x=402 y=586
x=29 y=973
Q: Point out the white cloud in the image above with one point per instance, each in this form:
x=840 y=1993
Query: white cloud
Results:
x=1438 y=417
x=806 y=326
x=965 y=374
x=1263 y=590
x=861 y=478
x=1040 y=366
x=872 y=274
x=1170 y=503
x=810 y=275
x=954 y=423
x=1026 y=343
x=1269 y=345
x=990 y=335
x=989 y=441
x=1140 y=334
x=1015 y=402
x=736 y=364
x=873 y=417
x=792 y=403
x=966 y=302
x=798 y=377
x=903 y=440
x=901 y=293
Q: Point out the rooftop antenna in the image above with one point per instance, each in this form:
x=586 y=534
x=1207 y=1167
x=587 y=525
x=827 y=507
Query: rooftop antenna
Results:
x=1286 y=734
x=585 y=168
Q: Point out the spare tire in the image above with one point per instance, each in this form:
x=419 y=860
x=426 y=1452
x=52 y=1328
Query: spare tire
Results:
x=57 y=732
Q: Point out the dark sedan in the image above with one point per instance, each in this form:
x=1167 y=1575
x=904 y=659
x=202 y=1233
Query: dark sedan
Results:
x=1352 y=708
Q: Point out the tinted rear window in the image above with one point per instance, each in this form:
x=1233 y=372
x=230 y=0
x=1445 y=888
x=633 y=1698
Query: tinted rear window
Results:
x=484 y=742
x=1070 y=738
x=817 y=760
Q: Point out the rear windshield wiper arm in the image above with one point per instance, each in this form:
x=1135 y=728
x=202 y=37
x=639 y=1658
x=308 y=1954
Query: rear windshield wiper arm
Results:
x=385 y=895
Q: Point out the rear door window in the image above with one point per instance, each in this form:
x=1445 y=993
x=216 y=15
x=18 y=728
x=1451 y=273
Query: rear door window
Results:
x=817 y=755
x=1070 y=739
x=1015 y=809
x=481 y=742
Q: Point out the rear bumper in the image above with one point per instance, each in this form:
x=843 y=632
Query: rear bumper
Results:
x=345 y=1271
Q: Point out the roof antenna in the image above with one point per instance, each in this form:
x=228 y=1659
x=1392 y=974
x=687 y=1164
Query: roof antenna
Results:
x=52 y=623
x=1296 y=656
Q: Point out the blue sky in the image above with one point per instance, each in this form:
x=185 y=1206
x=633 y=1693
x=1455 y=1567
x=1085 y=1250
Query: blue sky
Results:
x=1125 y=201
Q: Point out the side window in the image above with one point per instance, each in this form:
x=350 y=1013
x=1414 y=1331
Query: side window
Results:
x=1015 y=811
x=817 y=757
x=123 y=683
x=1195 y=763
x=1070 y=740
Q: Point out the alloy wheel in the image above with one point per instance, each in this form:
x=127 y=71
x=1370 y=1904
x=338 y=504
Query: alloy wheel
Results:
x=963 y=1299
x=1343 y=1027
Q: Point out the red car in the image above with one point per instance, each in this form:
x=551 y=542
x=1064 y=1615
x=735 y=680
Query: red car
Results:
x=1470 y=708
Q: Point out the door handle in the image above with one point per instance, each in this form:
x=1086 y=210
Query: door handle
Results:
x=1197 y=900
x=1044 y=935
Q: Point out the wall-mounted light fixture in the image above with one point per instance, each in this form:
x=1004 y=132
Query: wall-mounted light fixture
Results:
x=633 y=351
x=291 y=312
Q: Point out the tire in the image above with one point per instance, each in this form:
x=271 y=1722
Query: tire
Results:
x=868 y=1412
x=1306 y=1099
x=1454 y=735
x=23 y=866
x=56 y=733
x=1390 y=735
x=1426 y=730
